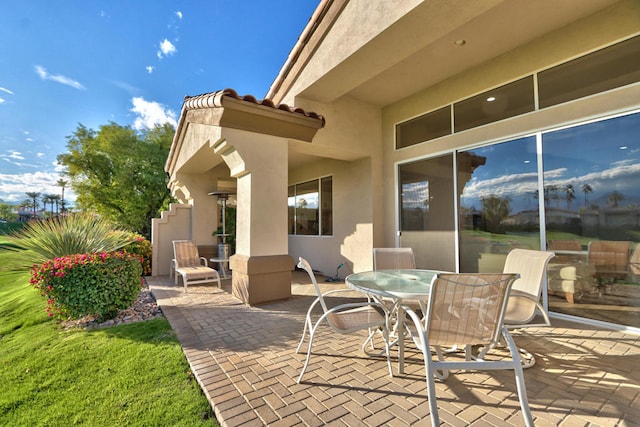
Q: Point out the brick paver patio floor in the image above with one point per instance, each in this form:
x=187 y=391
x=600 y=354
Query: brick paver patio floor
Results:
x=244 y=359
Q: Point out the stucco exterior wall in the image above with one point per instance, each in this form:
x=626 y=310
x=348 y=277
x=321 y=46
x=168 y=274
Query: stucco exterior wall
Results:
x=347 y=148
x=352 y=219
x=174 y=224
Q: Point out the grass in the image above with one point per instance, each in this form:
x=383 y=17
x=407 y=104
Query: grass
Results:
x=129 y=375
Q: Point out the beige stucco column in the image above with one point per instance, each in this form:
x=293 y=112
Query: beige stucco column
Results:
x=261 y=265
x=252 y=138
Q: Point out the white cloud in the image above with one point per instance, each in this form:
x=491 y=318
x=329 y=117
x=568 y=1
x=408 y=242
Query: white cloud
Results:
x=166 y=48
x=40 y=155
x=4 y=89
x=44 y=75
x=151 y=113
x=179 y=14
x=13 y=187
x=2 y=100
x=149 y=69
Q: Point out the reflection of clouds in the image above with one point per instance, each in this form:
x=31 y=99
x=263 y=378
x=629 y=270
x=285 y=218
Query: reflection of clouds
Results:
x=620 y=177
x=415 y=193
x=512 y=186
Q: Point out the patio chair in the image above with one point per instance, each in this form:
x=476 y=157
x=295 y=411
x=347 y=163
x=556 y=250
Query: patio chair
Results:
x=468 y=310
x=189 y=265
x=344 y=318
x=610 y=259
x=634 y=261
x=393 y=259
x=524 y=300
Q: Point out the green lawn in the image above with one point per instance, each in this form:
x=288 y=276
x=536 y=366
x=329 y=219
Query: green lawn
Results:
x=124 y=375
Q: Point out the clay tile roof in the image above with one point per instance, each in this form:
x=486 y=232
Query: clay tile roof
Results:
x=214 y=99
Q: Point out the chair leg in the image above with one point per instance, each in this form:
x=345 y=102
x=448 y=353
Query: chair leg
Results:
x=306 y=363
x=304 y=334
x=519 y=373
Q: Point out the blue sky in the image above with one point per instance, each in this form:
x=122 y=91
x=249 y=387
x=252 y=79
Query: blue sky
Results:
x=66 y=62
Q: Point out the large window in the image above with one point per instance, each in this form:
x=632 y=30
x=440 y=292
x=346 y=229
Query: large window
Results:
x=574 y=191
x=311 y=208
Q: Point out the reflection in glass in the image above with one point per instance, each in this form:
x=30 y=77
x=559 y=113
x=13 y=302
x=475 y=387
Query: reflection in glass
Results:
x=592 y=205
x=326 y=194
x=427 y=212
x=306 y=204
x=498 y=207
x=310 y=207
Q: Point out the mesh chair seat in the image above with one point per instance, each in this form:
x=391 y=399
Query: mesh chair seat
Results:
x=343 y=319
x=467 y=310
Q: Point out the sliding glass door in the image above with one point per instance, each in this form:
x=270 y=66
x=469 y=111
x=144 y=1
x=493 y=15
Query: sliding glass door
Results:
x=592 y=211
x=575 y=191
x=498 y=206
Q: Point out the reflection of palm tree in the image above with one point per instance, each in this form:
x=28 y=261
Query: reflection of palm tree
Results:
x=569 y=195
x=553 y=190
x=614 y=198
x=586 y=189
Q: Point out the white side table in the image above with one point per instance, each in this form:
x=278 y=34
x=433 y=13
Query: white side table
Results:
x=223 y=267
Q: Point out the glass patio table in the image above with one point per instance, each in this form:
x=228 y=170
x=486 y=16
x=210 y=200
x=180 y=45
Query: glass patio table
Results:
x=398 y=286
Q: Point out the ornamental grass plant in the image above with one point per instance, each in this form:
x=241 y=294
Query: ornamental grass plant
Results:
x=76 y=233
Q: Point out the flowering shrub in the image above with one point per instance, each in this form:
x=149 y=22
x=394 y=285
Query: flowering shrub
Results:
x=98 y=284
x=142 y=248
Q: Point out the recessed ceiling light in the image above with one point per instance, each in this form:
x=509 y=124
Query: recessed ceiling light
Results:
x=460 y=42
x=491 y=99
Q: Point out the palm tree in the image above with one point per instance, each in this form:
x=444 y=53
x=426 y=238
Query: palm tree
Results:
x=47 y=198
x=56 y=200
x=62 y=183
x=34 y=195
x=570 y=195
x=586 y=189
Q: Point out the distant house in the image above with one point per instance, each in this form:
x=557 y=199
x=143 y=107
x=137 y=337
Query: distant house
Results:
x=375 y=117
x=26 y=214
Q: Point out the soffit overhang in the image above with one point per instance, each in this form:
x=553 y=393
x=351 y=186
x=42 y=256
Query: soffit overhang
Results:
x=226 y=109
x=419 y=50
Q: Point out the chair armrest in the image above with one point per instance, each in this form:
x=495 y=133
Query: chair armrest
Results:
x=204 y=261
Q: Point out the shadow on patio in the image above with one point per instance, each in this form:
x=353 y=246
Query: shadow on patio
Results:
x=244 y=359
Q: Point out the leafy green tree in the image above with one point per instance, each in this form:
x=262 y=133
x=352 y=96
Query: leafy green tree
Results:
x=119 y=173
x=494 y=210
x=6 y=212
